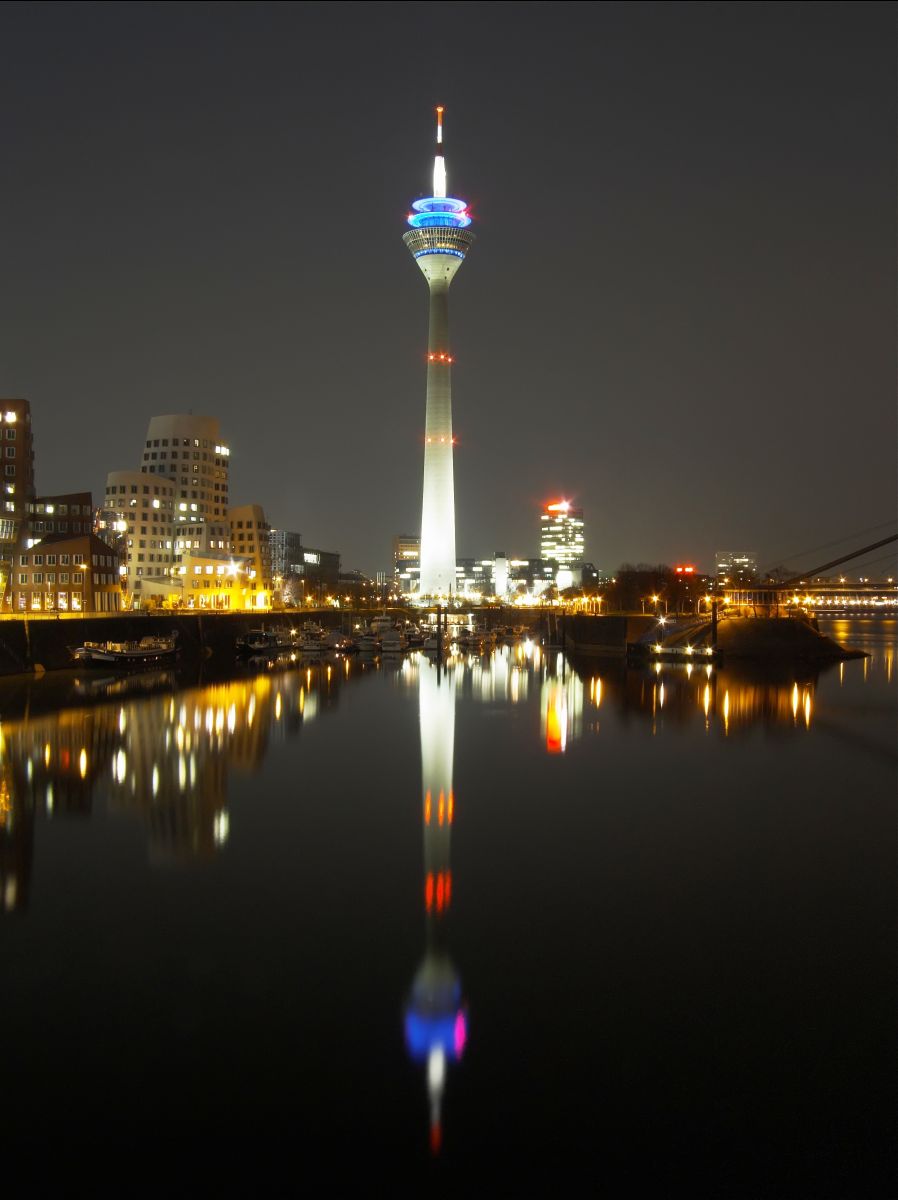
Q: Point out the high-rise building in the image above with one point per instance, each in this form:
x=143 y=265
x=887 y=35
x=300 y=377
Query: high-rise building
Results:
x=407 y=563
x=17 y=452
x=736 y=567
x=561 y=535
x=438 y=240
x=286 y=553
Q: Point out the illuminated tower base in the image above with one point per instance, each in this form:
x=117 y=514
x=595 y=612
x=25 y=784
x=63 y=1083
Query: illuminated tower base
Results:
x=438 y=240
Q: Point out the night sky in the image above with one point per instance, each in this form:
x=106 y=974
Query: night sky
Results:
x=679 y=311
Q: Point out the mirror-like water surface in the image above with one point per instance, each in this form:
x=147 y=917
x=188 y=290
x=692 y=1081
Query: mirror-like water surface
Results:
x=520 y=911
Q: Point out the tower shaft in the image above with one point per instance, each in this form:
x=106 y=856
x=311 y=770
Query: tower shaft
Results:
x=438 y=507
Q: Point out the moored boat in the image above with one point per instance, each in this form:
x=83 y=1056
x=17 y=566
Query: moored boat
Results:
x=148 y=652
x=266 y=641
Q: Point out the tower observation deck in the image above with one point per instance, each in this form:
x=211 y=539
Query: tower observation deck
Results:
x=438 y=240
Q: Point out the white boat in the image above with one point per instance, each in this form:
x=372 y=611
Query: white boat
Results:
x=381 y=625
x=393 y=641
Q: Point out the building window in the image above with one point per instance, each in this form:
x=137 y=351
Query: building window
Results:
x=38 y=577
x=63 y=576
x=76 y=601
x=51 y=560
x=9 y=470
x=38 y=560
x=23 y=579
x=78 y=578
x=10 y=451
x=64 y=559
x=23 y=560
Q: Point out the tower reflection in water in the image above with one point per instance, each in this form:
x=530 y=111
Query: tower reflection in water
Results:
x=435 y=1016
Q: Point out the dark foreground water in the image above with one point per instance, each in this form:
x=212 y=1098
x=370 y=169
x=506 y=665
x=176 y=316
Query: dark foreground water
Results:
x=522 y=914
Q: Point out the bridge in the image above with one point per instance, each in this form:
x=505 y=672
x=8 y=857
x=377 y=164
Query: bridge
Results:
x=817 y=595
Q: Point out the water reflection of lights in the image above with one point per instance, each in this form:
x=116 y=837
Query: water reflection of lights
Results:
x=435 y=1016
x=165 y=758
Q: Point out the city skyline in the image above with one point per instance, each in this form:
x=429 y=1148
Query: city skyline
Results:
x=684 y=314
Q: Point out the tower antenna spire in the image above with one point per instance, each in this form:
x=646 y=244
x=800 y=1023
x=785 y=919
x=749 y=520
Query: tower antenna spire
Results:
x=439 y=162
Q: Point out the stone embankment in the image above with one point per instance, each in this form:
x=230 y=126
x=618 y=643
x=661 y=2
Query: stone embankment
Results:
x=760 y=638
x=42 y=643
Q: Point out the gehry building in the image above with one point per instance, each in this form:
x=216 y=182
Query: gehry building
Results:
x=179 y=535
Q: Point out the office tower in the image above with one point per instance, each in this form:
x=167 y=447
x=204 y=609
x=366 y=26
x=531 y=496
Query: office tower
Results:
x=736 y=567
x=561 y=534
x=17 y=451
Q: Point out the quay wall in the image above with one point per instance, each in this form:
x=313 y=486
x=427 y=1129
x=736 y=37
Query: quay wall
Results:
x=42 y=643
x=603 y=636
x=760 y=638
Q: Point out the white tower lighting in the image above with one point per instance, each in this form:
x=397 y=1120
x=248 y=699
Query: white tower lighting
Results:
x=438 y=240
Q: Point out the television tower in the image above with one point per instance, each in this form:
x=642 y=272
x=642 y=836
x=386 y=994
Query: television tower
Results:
x=439 y=240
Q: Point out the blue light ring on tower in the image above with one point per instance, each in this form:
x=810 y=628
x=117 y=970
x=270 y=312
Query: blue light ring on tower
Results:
x=421 y=253
x=439 y=211
x=439 y=204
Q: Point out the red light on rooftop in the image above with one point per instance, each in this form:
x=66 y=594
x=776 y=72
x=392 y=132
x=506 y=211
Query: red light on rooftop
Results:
x=685 y=570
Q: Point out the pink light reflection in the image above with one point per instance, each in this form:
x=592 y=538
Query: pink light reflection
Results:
x=461 y=1034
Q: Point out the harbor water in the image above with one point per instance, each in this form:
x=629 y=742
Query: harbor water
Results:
x=516 y=913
